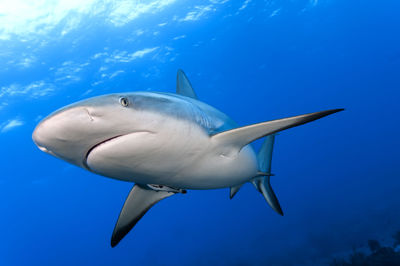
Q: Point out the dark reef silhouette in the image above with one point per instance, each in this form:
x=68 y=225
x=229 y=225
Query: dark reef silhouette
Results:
x=379 y=255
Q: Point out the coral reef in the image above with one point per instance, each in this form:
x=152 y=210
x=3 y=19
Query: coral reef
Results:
x=379 y=255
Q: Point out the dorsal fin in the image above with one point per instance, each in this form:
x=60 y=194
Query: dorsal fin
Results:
x=183 y=86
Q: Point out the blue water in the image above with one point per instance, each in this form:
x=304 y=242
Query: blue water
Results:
x=337 y=179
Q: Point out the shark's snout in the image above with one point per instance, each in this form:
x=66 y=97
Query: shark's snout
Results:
x=58 y=131
x=39 y=137
x=44 y=136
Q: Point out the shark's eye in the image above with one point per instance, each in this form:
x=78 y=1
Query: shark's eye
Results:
x=124 y=101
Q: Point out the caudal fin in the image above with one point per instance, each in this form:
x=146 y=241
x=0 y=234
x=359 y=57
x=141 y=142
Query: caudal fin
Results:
x=262 y=182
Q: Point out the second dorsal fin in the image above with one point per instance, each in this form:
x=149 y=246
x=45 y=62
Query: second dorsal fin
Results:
x=183 y=86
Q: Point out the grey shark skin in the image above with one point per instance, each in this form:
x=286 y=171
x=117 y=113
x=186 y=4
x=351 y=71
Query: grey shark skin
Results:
x=164 y=143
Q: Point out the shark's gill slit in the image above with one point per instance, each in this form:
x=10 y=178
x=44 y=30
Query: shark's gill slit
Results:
x=90 y=116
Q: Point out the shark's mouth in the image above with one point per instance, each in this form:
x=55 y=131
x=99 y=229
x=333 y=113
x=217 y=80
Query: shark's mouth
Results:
x=94 y=147
x=85 y=163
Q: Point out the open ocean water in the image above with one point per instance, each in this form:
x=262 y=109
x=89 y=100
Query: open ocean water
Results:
x=337 y=179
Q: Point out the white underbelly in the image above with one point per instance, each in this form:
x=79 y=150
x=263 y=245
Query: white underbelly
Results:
x=175 y=161
x=217 y=171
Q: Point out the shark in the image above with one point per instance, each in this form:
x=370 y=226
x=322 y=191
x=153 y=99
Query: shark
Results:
x=165 y=144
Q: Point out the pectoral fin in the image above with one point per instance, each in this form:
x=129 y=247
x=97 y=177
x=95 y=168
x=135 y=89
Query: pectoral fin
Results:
x=240 y=137
x=138 y=202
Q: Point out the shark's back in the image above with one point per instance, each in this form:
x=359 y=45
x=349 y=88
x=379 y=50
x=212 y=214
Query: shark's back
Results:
x=184 y=108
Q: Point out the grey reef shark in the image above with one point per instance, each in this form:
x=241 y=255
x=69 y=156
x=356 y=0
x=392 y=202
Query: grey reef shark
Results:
x=165 y=143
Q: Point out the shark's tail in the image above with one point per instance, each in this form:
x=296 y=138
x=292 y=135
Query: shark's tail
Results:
x=262 y=182
x=240 y=137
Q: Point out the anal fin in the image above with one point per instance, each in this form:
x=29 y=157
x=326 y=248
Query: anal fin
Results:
x=234 y=190
x=138 y=202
